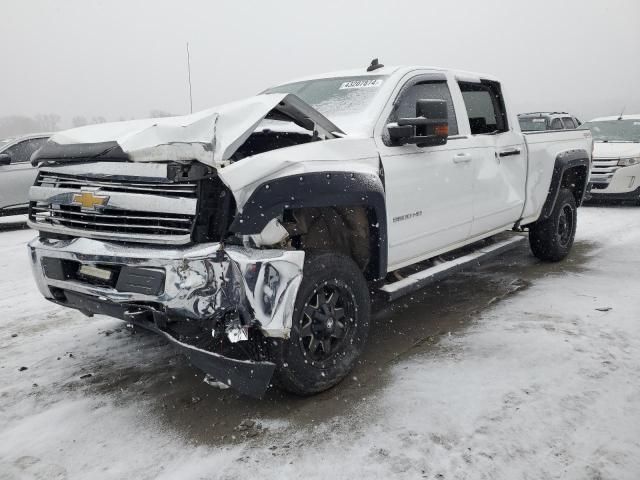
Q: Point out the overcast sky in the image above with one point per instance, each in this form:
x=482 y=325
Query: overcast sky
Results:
x=122 y=58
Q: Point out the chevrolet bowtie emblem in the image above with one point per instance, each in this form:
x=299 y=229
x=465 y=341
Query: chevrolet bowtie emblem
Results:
x=89 y=200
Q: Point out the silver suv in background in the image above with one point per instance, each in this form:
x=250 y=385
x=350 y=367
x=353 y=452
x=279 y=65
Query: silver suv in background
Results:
x=16 y=172
x=540 y=121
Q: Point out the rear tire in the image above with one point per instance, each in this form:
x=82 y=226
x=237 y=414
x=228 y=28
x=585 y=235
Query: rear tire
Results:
x=329 y=328
x=551 y=239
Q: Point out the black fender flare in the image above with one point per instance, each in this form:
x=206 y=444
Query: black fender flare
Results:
x=565 y=161
x=320 y=189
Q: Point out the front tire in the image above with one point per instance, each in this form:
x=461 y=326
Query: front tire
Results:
x=329 y=328
x=551 y=239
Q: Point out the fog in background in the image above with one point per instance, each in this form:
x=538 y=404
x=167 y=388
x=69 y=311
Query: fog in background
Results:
x=119 y=59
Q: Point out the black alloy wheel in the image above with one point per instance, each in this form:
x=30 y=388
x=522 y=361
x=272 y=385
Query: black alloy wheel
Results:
x=329 y=325
x=327 y=321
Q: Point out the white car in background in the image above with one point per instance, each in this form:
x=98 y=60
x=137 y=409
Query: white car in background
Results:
x=615 y=173
x=16 y=172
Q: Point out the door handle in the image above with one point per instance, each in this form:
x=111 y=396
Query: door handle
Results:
x=462 y=158
x=509 y=152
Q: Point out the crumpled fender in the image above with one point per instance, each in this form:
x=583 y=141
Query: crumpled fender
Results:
x=347 y=154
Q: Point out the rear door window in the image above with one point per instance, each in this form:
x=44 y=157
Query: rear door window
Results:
x=485 y=107
x=556 y=124
x=528 y=124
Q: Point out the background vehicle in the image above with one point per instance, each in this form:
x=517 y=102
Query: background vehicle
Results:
x=615 y=174
x=16 y=172
x=537 y=121
x=255 y=251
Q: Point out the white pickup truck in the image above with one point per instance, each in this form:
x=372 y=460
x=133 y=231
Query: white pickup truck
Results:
x=250 y=235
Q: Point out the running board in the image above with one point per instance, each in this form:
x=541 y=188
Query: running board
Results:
x=421 y=279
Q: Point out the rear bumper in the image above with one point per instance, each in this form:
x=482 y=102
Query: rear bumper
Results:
x=202 y=283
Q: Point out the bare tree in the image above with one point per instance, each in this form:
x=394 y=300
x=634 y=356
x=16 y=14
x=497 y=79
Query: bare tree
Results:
x=48 y=122
x=79 y=121
x=13 y=125
x=99 y=119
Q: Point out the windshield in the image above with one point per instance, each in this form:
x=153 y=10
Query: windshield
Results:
x=528 y=124
x=614 y=130
x=5 y=141
x=335 y=96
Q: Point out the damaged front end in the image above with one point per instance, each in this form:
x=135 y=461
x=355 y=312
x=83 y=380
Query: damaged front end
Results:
x=213 y=303
x=135 y=223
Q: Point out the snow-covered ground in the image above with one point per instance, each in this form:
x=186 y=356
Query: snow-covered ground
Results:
x=518 y=371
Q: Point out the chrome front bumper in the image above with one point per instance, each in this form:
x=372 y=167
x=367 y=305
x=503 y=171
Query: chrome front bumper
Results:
x=201 y=282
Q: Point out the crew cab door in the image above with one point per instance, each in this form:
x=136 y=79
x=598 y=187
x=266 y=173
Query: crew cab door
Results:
x=17 y=177
x=428 y=189
x=500 y=162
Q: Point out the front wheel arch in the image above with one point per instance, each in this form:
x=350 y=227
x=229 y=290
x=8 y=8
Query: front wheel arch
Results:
x=321 y=190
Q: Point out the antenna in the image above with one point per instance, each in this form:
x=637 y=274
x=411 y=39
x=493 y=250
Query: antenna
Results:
x=189 y=73
x=623 y=109
x=375 y=64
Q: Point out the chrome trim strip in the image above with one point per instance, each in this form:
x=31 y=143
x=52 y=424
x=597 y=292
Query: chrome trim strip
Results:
x=153 y=172
x=121 y=237
x=39 y=209
x=47 y=220
x=155 y=188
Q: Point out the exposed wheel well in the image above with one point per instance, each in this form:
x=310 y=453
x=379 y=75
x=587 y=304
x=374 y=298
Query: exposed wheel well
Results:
x=349 y=230
x=575 y=179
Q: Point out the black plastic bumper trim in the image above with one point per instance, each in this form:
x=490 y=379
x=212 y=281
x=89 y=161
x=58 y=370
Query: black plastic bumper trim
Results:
x=248 y=377
x=148 y=281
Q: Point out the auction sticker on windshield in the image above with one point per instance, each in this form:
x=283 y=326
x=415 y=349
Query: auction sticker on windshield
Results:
x=361 y=84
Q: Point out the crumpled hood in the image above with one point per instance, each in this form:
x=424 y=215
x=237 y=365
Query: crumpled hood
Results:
x=615 y=149
x=210 y=136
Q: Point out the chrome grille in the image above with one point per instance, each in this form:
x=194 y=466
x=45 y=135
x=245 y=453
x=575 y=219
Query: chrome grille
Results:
x=602 y=169
x=136 y=209
x=110 y=185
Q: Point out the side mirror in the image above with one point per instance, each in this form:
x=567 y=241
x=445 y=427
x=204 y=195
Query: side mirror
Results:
x=5 y=159
x=399 y=134
x=430 y=127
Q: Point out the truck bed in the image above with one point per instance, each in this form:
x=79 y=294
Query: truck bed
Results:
x=542 y=149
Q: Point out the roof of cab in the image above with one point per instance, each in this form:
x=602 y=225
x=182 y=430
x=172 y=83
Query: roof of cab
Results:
x=396 y=70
